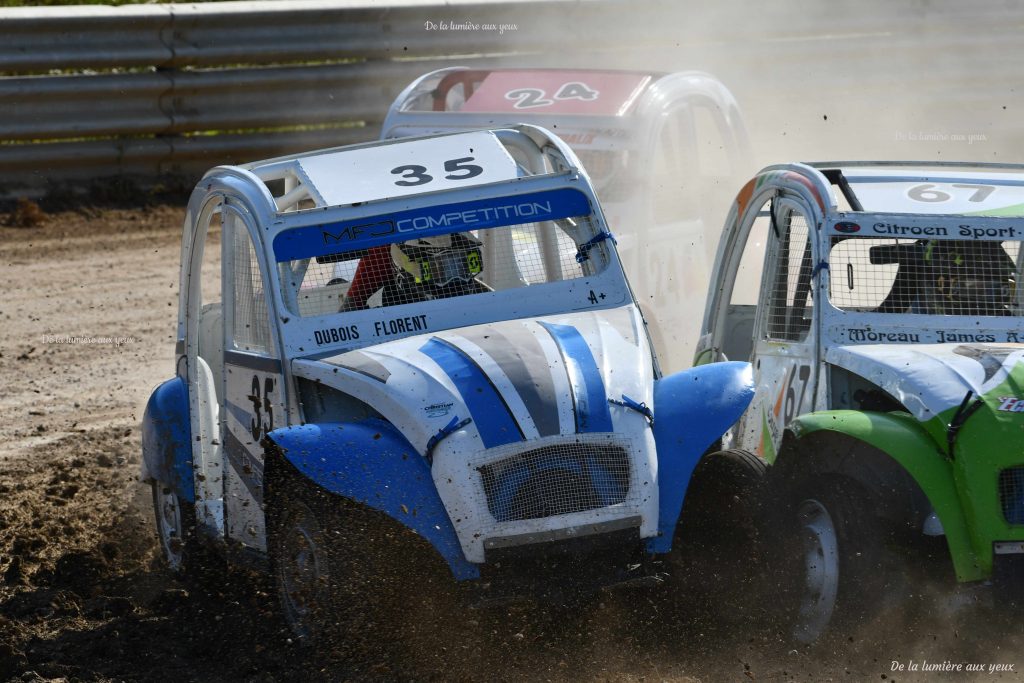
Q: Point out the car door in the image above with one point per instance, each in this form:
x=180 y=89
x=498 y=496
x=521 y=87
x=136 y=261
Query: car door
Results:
x=204 y=336
x=255 y=396
x=785 y=332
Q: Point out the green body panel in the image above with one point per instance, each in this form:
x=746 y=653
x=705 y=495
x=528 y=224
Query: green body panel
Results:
x=1015 y=210
x=907 y=442
x=989 y=442
x=767 y=446
x=703 y=358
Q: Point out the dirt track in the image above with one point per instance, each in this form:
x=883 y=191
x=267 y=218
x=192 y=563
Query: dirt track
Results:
x=84 y=596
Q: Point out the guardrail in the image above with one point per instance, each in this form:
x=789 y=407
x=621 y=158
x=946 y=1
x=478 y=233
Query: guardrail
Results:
x=88 y=91
x=150 y=89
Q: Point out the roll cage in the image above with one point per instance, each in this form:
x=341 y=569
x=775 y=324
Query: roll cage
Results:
x=291 y=196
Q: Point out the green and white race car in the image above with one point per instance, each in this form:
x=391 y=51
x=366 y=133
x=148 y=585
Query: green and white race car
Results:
x=879 y=304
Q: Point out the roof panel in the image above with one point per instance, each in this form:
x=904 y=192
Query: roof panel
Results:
x=594 y=93
x=407 y=168
x=926 y=191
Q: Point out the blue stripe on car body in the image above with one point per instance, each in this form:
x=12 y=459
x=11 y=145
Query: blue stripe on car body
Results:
x=490 y=413
x=520 y=356
x=244 y=414
x=590 y=404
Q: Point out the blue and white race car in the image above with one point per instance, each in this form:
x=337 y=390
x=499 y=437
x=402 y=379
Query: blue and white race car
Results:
x=435 y=331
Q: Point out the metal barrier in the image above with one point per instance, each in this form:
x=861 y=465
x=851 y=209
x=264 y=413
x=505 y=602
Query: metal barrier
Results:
x=149 y=89
x=87 y=91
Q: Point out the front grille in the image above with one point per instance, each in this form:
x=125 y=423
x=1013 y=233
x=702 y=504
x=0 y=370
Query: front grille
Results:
x=1011 y=494
x=556 y=480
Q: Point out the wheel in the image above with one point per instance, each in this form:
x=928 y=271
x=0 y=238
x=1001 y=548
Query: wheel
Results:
x=817 y=569
x=717 y=540
x=352 y=584
x=722 y=500
x=337 y=569
x=191 y=561
x=320 y=586
x=833 y=549
x=175 y=527
x=302 y=570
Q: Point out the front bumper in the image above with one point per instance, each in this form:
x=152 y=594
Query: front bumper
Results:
x=532 y=493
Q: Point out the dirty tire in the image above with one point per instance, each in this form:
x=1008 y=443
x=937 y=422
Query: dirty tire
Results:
x=717 y=541
x=191 y=562
x=322 y=589
x=830 y=549
x=351 y=582
x=175 y=530
x=722 y=502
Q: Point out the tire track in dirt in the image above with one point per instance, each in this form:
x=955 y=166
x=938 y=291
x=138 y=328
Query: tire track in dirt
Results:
x=106 y=274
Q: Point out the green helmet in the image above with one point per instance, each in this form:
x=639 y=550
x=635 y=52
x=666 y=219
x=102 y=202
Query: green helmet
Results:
x=438 y=267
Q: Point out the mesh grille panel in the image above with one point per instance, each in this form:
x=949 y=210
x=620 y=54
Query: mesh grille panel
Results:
x=790 y=312
x=1011 y=494
x=453 y=265
x=251 y=328
x=556 y=480
x=938 y=277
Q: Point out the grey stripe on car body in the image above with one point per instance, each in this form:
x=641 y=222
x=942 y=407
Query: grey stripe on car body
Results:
x=517 y=352
x=357 y=361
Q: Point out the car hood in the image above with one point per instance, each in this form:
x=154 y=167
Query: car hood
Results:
x=929 y=379
x=513 y=380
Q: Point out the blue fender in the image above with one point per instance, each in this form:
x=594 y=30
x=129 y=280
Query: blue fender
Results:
x=692 y=410
x=167 y=439
x=372 y=463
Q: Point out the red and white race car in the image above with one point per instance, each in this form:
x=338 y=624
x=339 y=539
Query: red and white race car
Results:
x=662 y=151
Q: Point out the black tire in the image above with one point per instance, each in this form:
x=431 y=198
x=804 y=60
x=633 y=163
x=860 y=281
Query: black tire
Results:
x=185 y=555
x=175 y=529
x=319 y=584
x=717 y=542
x=351 y=582
x=722 y=501
x=830 y=552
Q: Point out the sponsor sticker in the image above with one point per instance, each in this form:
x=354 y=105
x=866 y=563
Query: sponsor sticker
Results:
x=438 y=409
x=905 y=226
x=1011 y=404
x=332 y=238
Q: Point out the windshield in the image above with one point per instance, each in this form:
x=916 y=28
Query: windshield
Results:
x=441 y=262
x=926 y=276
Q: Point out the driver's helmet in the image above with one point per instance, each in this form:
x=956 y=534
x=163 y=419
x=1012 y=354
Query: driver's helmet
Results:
x=438 y=267
x=968 y=278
